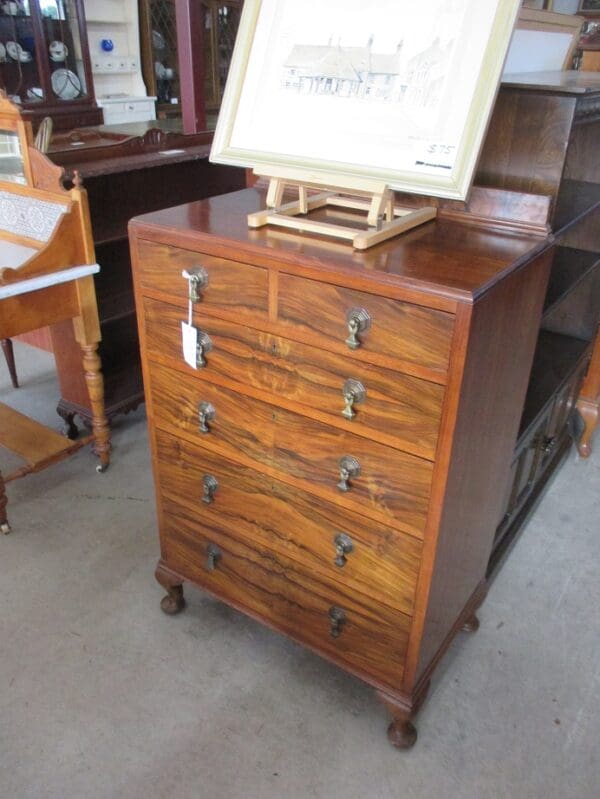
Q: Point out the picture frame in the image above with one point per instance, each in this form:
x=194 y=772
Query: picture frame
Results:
x=399 y=93
x=589 y=8
x=542 y=41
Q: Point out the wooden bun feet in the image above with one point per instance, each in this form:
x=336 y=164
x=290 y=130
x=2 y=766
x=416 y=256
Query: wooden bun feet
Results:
x=173 y=602
x=470 y=625
x=402 y=733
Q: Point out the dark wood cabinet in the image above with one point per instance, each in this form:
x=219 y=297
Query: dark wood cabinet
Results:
x=45 y=63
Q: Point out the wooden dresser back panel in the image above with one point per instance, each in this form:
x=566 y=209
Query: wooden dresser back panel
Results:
x=270 y=515
x=398 y=409
x=409 y=335
x=393 y=487
x=232 y=286
x=275 y=590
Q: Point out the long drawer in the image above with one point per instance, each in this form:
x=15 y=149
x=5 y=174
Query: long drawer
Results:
x=224 y=285
x=407 y=335
x=390 y=406
x=341 y=547
x=390 y=486
x=367 y=638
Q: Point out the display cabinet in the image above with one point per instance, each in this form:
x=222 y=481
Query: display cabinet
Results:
x=44 y=61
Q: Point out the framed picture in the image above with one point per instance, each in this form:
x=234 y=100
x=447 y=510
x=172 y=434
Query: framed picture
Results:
x=543 y=40
x=397 y=92
x=590 y=7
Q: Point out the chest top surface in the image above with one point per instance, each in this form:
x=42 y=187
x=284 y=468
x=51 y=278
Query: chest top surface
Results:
x=446 y=258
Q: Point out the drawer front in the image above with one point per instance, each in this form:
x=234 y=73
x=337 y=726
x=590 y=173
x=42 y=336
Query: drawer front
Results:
x=264 y=513
x=395 y=408
x=371 y=640
x=224 y=285
x=392 y=486
x=408 y=334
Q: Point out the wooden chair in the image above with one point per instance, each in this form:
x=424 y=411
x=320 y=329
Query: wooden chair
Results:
x=47 y=264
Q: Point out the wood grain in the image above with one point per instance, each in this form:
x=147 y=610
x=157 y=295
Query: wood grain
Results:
x=393 y=486
x=274 y=589
x=271 y=515
x=232 y=286
x=403 y=332
x=399 y=410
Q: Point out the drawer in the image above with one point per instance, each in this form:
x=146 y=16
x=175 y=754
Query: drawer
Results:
x=240 y=289
x=267 y=514
x=372 y=640
x=408 y=335
x=392 y=486
x=396 y=409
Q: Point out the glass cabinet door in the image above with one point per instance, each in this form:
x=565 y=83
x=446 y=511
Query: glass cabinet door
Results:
x=19 y=72
x=63 y=54
x=220 y=29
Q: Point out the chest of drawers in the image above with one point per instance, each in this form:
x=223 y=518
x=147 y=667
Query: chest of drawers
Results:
x=334 y=460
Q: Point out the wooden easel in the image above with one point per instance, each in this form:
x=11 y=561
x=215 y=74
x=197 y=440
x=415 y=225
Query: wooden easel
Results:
x=383 y=220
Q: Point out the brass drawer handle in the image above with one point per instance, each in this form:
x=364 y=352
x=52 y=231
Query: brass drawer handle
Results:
x=209 y=485
x=349 y=468
x=354 y=393
x=343 y=546
x=213 y=556
x=204 y=345
x=198 y=280
x=337 y=619
x=206 y=414
x=358 y=321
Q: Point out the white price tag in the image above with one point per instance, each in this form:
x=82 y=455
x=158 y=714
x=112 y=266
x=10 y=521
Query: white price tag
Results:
x=189 y=340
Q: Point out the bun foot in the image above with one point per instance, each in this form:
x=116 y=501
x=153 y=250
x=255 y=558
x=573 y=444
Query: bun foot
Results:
x=471 y=625
x=5 y=528
x=173 y=602
x=402 y=734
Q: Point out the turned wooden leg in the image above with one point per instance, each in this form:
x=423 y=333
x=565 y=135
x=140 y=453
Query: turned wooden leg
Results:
x=4 y=525
x=590 y=413
x=9 y=354
x=95 y=386
x=174 y=601
x=402 y=733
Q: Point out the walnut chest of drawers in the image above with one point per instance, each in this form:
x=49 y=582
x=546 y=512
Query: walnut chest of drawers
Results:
x=334 y=459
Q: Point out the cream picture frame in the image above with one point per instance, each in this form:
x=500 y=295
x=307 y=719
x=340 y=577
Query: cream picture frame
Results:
x=393 y=92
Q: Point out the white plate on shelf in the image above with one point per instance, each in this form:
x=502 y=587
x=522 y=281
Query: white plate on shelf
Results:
x=58 y=51
x=16 y=52
x=2 y=53
x=65 y=84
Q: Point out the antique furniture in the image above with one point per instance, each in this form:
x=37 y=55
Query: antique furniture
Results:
x=125 y=175
x=44 y=61
x=46 y=275
x=334 y=433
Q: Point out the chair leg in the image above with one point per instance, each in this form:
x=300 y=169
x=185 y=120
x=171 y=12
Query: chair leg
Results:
x=9 y=354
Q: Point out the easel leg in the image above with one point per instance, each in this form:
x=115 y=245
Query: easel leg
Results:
x=95 y=386
x=4 y=525
x=9 y=354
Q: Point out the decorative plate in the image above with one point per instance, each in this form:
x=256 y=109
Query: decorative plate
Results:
x=58 y=51
x=158 y=40
x=65 y=84
x=2 y=53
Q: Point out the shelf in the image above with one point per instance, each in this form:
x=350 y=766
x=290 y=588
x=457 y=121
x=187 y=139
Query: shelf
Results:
x=569 y=268
x=576 y=199
x=556 y=359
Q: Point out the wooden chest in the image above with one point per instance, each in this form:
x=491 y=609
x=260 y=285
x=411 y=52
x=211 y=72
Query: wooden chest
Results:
x=334 y=459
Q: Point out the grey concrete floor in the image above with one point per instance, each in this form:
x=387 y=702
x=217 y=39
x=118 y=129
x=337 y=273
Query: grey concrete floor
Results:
x=102 y=696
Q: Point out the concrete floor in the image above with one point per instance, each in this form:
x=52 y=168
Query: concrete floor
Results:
x=103 y=696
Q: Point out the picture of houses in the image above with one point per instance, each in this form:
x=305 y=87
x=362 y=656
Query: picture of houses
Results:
x=360 y=72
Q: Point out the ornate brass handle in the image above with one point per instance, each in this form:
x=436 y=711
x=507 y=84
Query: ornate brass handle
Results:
x=349 y=468
x=213 y=556
x=204 y=346
x=358 y=321
x=198 y=280
x=337 y=619
x=354 y=393
x=343 y=546
x=206 y=414
x=209 y=486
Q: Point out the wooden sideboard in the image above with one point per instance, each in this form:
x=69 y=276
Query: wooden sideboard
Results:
x=125 y=175
x=334 y=461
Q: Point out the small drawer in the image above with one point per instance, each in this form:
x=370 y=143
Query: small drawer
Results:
x=221 y=285
x=394 y=408
x=324 y=539
x=384 y=483
x=373 y=327
x=365 y=637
